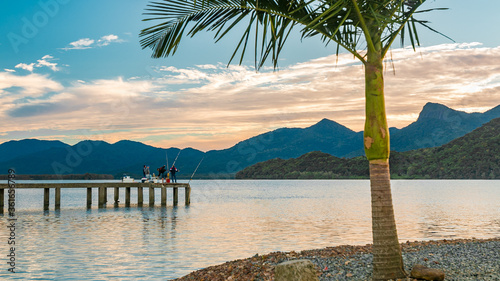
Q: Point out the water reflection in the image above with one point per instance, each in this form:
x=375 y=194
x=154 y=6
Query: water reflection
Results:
x=439 y=209
x=234 y=219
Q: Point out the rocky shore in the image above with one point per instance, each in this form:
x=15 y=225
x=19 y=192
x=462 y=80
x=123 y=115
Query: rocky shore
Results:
x=460 y=259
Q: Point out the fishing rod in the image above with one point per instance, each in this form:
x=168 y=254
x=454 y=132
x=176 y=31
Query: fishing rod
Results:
x=196 y=169
x=176 y=157
x=166 y=156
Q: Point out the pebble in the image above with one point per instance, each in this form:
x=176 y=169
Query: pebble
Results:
x=460 y=259
x=473 y=261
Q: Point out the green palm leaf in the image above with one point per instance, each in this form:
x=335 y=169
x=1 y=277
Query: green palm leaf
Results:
x=340 y=21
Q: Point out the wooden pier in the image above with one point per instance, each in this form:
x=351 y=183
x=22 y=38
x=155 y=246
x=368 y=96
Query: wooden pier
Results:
x=103 y=191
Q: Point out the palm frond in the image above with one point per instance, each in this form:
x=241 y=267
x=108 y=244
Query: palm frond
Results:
x=405 y=24
x=188 y=17
x=352 y=24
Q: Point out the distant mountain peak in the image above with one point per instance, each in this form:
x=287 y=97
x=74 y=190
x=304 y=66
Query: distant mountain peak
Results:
x=325 y=120
x=327 y=124
x=434 y=111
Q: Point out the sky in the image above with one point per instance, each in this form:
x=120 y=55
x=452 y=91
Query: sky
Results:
x=74 y=70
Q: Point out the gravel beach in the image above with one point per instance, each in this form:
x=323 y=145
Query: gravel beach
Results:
x=460 y=259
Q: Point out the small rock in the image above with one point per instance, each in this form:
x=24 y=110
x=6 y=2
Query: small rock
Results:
x=295 y=270
x=424 y=273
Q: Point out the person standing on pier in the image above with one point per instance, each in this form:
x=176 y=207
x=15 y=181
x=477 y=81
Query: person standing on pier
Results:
x=148 y=173
x=173 y=170
x=145 y=171
x=161 y=173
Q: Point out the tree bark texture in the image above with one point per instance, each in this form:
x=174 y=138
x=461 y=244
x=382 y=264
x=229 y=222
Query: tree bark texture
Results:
x=387 y=258
x=376 y=133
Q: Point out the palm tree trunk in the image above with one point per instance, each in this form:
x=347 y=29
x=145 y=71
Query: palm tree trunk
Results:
x=387 y=258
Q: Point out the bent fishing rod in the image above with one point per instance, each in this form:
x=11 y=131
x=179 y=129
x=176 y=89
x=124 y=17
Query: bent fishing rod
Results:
x=196 y=169
x=176 y=157
x=166 y=156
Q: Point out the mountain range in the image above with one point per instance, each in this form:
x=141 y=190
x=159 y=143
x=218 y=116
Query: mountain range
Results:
x=473 y=156
x=435 y=126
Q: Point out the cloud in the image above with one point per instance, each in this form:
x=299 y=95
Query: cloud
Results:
x=214 y=107
x=33 y=110
x=9 y=70
x=45 y=61
x=25 y=66
x=28 y=86
x=460 y=76
x=107 y=39
x=81 y=44
x=87 y=43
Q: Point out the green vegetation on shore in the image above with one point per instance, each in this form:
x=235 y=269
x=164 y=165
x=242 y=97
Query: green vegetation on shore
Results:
x=473 y=156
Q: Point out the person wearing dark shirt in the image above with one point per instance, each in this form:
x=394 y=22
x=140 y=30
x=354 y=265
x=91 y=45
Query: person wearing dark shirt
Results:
x=173 y=170
x=161 y=172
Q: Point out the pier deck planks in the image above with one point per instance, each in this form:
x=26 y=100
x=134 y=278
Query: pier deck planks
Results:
x=94 y=184
x=102 y=194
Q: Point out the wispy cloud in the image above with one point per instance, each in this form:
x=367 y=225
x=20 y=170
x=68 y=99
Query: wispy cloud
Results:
x=45 y=61
x=25 y=66
x=211 y=106
x=81 y=44
x=87 y=43
x=15 y=88
x=108 y=39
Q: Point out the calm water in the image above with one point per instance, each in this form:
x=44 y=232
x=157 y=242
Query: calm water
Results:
x=229 y=220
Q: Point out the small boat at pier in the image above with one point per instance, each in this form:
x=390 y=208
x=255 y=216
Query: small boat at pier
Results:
x=127 y=178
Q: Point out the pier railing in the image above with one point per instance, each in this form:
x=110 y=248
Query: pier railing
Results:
x=103 y=192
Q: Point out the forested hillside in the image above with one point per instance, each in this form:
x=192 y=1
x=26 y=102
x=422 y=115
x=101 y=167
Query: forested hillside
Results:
x=473 y=156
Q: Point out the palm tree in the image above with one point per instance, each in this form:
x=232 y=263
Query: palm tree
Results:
x=365 y=28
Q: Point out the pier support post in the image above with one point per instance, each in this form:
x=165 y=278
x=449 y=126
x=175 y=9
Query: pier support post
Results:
x=187 y=195
x=140 y=196
x=99 y=197
x=176 y=196
x=2 y=200
x=46 y=194
x=127 y=196
x=163 y=196
x=117 y=195
x=57 y=204
x=151 y=196
x=89 y=197
x=105 y=195
x=102 y=197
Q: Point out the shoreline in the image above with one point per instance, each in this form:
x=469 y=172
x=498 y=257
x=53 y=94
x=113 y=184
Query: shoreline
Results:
x=460 y=259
